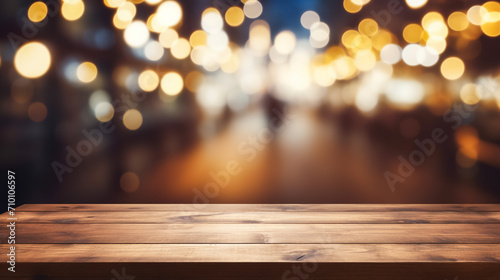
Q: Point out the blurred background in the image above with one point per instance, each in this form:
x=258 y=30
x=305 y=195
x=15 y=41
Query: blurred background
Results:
x=229 y=101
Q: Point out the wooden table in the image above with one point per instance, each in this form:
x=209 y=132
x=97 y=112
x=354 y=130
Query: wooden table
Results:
x=254 y=241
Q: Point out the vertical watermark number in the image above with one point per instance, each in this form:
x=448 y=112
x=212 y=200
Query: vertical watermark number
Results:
x=11 y=220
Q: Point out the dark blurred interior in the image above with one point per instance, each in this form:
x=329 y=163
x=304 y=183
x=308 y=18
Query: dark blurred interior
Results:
x=231 y=101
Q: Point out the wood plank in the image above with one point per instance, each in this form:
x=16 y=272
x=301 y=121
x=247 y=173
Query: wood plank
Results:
x=260 y=207
x=254 y=233
x=254 y=253
x=258 y=217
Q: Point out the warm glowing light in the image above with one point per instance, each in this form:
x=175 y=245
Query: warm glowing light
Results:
x=430 y=18
x=413 y=33
x=198 y=38
x=231 y=65
x=252 y=9
x=136 y=34
x=86 y=72
x=37 y=112
x=477 y=15
x=168 y=37
x=309 y=18
x=368 y=27
x=320 y=35
x=409 y=54
x=132 y=119
x=437 y=43
x=458 y=21
x=404 y=92
x=37 y=11
x=172 y=83
x=211 y=20
x=415 y=4
x=169 y=13
x=153 y=51
x=114 y=3
x=470 y=94
x=193 y=80
x=452 y=68
x=148 y=80
x=260 y=36
x=352 y=8
x=285 y=42
x=234 y=16
x=72 y=10
x=126 y=11
x=104 y=111
x=180 y=48
x=365 y=60
x=391 y=54
x=32 y=60
x=324 y=76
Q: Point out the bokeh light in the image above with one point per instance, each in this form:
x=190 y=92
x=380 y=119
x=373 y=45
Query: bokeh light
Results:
x=72 y=10
x=86 y=72
x=171 y=83
x=32 y=60
x=452 y=68
x=132 y=119
x=37 y=11
x=148 y=80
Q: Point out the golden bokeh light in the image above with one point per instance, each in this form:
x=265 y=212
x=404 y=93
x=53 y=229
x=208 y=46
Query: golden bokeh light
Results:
x=415 y=4
x=37 y=11
x=477 y=15
x=171 y=83
x=198 y=38
x=148 y=80
x=452 y=68
x=234 y=16
x=72 y=10
x=352 y=8
x=114 y=3
x=126 y=12
x=180 y=48
x=193 y=80
x=458 y=21
x=413 y=33
x=365 y=60
x=324 y=76
x=469 y=94
x=368 y=27
x=430 y=18
x=168 y=37
x=132 y=119
x=169 y=13
x=285 y=42
x=86 y=72
x=32 y=60
x=136 y=34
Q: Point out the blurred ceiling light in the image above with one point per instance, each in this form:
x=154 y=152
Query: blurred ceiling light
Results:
x=86 y=72
x=136 y=34
x=452 y=68
x=169 y=13
x=309 y=18
x=458 y=21
x=172 y=83
x=168 y=37
x=252 y=9
x=104 y=111
x=72 y=10
x=180 y=48
x=153 y=51
x=211 y=20
x=234 y=16
x=391 y=54
x=284 y=42
x=37 y=11
x=415 y=4
x=132 y=119
x=32 y=60
x=148 y=80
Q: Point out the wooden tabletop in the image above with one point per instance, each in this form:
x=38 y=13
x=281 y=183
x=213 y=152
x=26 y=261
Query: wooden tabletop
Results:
x=437 y=238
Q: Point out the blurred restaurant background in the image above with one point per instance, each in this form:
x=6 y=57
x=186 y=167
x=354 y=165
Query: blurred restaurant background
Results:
x=270 y=101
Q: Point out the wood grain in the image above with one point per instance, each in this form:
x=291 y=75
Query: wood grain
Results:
x=409 y=217
x=253 y=234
